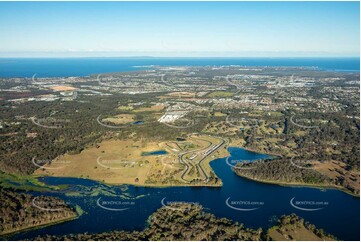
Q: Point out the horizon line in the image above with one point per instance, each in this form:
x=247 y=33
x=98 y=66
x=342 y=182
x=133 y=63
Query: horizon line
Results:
x=229 y=57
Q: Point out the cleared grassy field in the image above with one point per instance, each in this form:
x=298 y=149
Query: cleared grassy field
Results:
x=154 y=108
x=121 y=119
x=220 y=94
x=294 y=232
x=122 y=162
x=182 y=94
x=125 y=108
x=219 y=114
x=333 y=169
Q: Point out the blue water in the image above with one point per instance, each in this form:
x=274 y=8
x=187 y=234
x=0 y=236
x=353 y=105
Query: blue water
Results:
x=138 y=122
x=157 y=152
x=340 y=217
x=64 y=67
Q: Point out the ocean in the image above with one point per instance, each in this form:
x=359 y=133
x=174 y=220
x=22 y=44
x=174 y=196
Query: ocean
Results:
x=66 y=67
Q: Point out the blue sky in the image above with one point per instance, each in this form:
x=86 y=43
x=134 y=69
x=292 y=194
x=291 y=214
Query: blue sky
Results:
x=179 y=29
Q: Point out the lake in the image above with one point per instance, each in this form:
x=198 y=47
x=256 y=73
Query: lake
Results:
x=157 y=152
x=251 y=203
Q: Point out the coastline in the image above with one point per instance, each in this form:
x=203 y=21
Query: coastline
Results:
x=130 y=64
x=136 y=185
x=295 y=184
x=28 y=228
x=274 y=183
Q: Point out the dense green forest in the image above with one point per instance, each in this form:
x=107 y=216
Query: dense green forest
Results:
x=280 y=170
x=20 y=210
x=182 y=221
x=283 y=171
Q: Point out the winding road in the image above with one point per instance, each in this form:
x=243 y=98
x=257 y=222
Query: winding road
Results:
x=182 y=161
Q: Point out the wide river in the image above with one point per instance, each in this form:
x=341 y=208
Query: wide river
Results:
x=251 y=203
